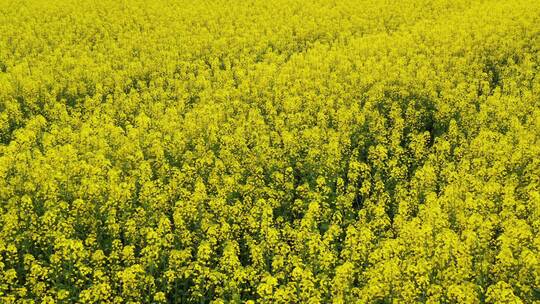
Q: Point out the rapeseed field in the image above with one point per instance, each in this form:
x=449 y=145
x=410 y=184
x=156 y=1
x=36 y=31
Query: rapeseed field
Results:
x=276 y=151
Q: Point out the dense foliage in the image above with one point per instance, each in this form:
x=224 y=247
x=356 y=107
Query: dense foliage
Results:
x=282 y=151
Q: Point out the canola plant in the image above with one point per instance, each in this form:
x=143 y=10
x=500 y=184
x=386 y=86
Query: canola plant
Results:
x=278 y=151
